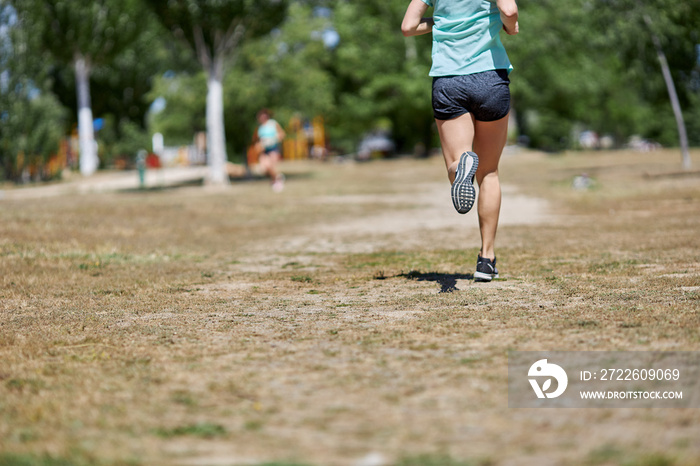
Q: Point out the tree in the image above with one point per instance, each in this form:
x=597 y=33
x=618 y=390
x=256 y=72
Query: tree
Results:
x=596 y=65
x=83 y=34
x=213 y=30
x=121 y=91
x=672 y=32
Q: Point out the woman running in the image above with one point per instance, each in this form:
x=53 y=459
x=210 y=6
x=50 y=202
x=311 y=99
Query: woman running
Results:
x=270 y=136
x=471 y=102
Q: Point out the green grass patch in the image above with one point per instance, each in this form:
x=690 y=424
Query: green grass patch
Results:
x=17 y=459
x=302 y=278
x=201 y=430
x=440 y=460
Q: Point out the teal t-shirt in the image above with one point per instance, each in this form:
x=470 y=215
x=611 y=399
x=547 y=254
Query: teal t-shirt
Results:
x=467 y=37
x=267 y=132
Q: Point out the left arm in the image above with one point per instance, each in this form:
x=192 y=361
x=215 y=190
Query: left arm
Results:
x=509 y=16
x=414 y=24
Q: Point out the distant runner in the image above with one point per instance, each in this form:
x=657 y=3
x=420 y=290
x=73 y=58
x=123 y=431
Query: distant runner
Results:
x=270 y=136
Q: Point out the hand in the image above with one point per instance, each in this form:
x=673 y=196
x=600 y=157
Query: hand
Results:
x=513 y=31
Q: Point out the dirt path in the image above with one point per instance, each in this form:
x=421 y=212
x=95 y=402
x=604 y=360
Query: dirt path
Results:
x=414 y=215
x=106 y=181
x=430 y=217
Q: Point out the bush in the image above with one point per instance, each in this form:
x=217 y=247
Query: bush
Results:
x=31 y=129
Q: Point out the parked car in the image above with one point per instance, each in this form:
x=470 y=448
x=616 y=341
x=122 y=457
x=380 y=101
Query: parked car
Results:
x=376 y=144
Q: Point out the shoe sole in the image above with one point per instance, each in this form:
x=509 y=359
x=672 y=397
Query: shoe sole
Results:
x=484 y=277
x=463 y=192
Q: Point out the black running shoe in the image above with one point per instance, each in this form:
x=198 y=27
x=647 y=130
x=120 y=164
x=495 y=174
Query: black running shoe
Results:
x=485 y=270
x=463 y=193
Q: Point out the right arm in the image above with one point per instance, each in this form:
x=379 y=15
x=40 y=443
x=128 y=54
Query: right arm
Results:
x=280 y=132
x=509 y=16
x=414 y=23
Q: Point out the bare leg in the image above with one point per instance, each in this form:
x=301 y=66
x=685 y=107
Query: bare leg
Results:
x=276 y=177
x=456 y=138
x=269 y=165
x=274 y=160
x=489 y=140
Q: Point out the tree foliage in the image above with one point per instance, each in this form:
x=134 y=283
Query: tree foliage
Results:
x=32 y=121
x=183 y=114
x=592 y=64
x=580 y=64
x=215 y=27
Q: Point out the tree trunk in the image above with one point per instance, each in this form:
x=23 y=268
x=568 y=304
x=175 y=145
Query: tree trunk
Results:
x=671 y=88
x=88 y=148
x=216 y=136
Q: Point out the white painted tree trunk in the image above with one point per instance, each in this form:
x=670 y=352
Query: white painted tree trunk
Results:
x=216 y=136
x=86 y=135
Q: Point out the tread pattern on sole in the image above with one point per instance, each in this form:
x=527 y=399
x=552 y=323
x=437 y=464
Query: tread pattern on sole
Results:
x=463 y=192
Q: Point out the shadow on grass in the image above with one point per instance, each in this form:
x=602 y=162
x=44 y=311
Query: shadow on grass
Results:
x=164 y=187
x=447 y=281
x=252 y=177
x=158 y=185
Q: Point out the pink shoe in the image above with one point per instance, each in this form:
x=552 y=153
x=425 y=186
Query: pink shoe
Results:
x=278 y=184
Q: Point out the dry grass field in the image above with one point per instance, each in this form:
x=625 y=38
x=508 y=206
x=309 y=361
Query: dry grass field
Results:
x=337 y=323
